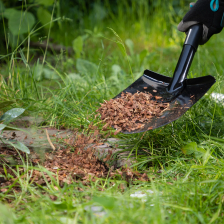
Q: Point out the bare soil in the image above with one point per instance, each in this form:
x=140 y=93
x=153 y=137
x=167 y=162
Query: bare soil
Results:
x=76 y=161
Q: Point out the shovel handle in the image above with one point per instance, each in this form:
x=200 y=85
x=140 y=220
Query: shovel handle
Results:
x=191 y=43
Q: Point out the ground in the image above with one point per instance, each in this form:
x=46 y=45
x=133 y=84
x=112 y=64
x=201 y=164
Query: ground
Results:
x=173 y=174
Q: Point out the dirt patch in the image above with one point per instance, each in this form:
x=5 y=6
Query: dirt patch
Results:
x=130 y=111
x=36 y=138
x=38 y=141
x=75 y=162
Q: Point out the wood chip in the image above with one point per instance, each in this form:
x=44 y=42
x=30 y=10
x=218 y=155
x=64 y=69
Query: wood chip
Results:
x=130 y=111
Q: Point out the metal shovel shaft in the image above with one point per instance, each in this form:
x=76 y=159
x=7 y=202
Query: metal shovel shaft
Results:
x=190 y=47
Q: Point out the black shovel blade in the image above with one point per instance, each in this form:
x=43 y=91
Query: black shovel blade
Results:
x=157 y=84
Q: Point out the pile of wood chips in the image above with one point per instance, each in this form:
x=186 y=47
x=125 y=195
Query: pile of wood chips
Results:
x=75 y=162
x=131 y=111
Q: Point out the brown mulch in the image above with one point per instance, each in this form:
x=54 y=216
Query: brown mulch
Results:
x=130 y=111
x=75 y=162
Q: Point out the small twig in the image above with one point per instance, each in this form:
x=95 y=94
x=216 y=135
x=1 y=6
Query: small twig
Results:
x=49 y=140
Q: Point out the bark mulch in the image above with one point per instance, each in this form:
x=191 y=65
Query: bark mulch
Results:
x=75 y=162
x=130 y=111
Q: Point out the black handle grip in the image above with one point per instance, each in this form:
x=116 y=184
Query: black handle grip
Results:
x=194 y=36
x=191 y=43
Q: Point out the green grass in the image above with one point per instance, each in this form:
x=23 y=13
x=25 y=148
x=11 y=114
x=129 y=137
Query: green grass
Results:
x=187 y=187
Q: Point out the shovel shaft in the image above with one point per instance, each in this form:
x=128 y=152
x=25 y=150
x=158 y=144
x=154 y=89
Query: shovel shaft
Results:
x=190 y=47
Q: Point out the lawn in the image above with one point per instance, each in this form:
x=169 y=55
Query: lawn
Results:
x=183 y=161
